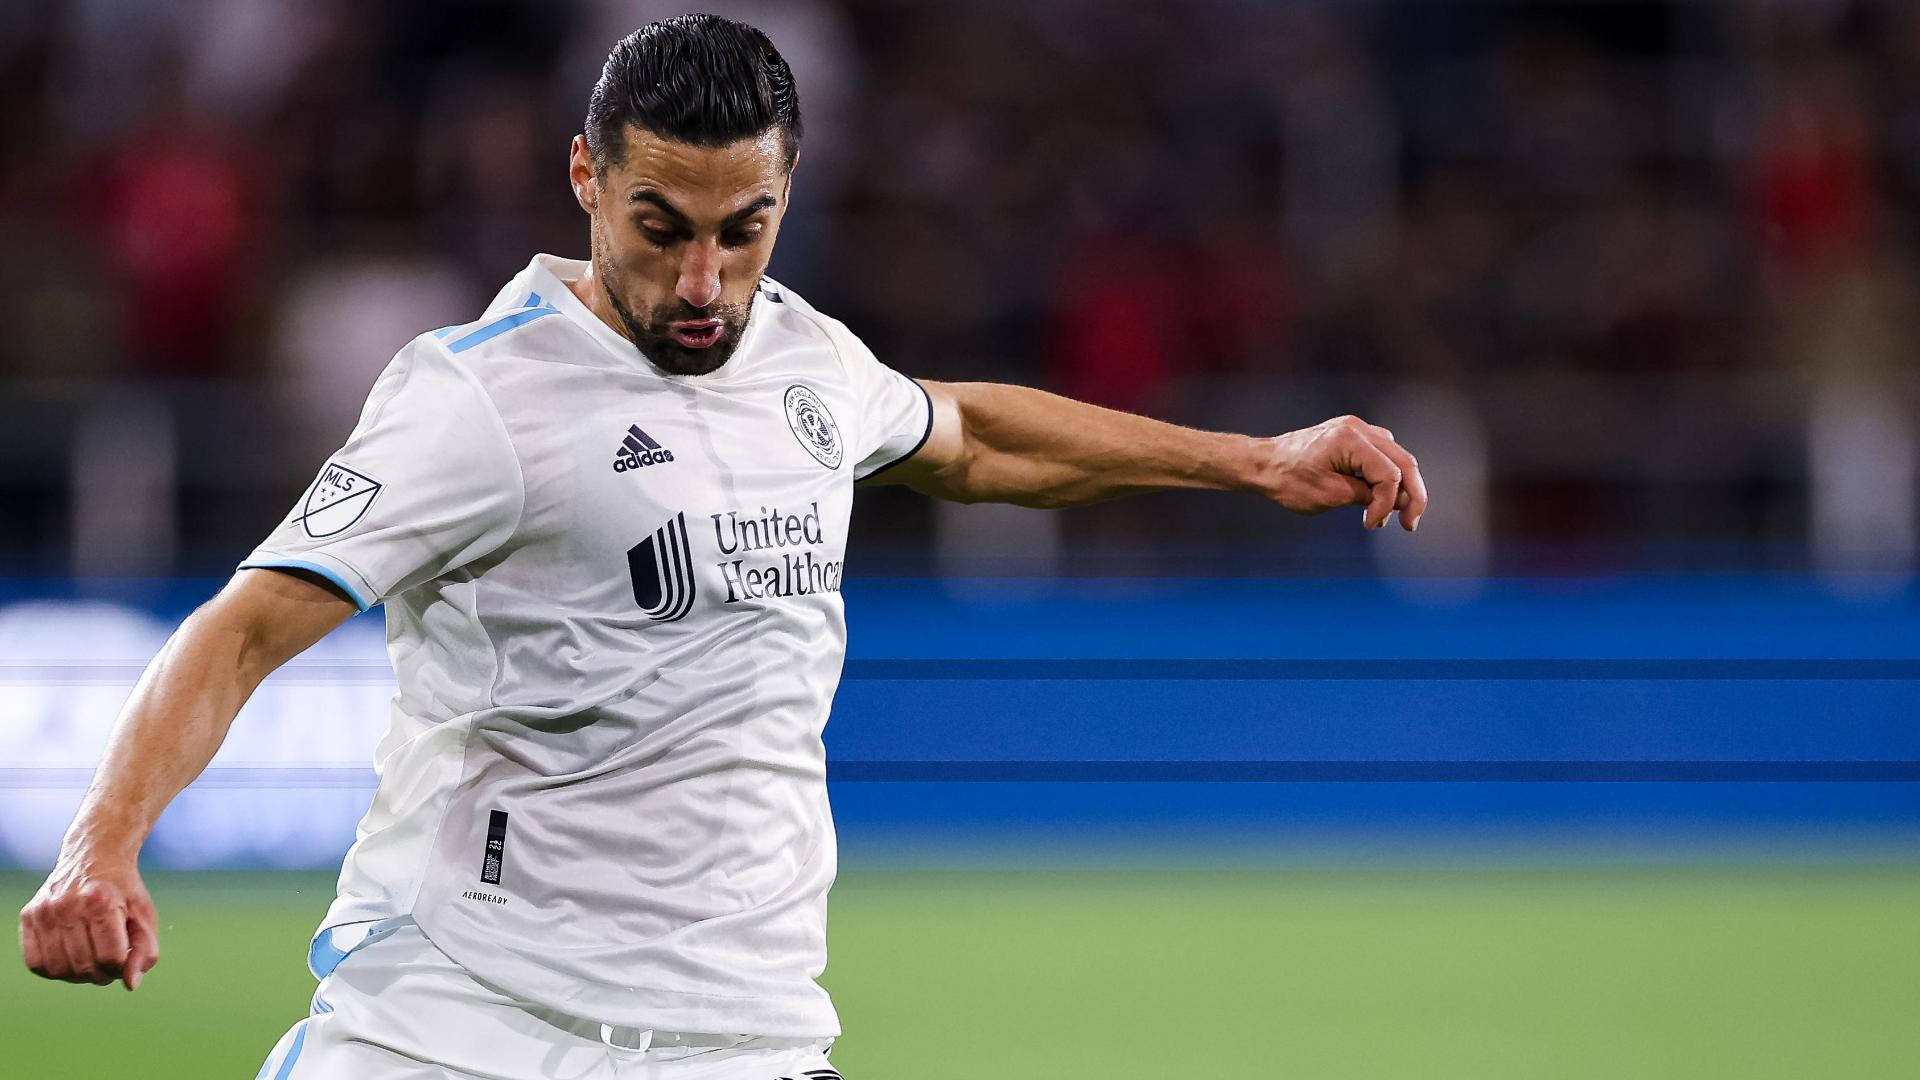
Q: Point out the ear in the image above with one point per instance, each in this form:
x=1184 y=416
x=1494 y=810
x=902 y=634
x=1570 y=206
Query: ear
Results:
x=586 y=185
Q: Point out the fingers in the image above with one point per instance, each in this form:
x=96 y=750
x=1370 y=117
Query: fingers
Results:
x=1412 y=499
x=1381 y=474
x=31 y=948
x=104 y=917
x=143 y=950
x=70 y=960
x=87 y=961
x=95 y=931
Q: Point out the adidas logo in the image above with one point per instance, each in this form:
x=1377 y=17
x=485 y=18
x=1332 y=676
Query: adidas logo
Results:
x=638 y=450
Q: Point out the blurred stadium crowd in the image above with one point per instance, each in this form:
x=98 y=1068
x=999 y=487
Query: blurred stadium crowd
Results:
x=1636 y=280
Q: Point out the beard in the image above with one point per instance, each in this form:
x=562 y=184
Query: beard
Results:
x=669 y=355
x=657 y=344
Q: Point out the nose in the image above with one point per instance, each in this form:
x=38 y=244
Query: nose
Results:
x=699 y=282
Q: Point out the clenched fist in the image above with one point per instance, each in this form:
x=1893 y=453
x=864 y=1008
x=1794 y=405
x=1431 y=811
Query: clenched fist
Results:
x=90 y=924
x=1344 y=462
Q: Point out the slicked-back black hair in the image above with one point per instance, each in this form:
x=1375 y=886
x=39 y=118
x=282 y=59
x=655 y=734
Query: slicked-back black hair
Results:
x=697 y=79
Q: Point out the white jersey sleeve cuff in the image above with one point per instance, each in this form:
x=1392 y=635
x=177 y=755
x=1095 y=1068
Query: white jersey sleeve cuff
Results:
x=925 y=434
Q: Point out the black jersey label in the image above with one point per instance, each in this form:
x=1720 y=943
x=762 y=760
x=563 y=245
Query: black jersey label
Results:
x=496 y=848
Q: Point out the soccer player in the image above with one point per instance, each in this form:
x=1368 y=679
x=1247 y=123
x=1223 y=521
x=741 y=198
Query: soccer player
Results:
x=608 y=521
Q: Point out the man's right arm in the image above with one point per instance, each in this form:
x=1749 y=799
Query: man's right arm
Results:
x=92 y=921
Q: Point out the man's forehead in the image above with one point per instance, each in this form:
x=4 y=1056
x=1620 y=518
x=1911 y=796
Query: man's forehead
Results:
x=698 y=179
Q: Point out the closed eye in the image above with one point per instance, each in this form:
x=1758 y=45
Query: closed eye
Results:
x=658 y=235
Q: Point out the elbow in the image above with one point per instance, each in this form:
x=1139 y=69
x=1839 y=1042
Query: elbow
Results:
x=217 y=632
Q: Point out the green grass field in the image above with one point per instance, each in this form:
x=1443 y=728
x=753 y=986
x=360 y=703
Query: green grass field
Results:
x=1463 y=972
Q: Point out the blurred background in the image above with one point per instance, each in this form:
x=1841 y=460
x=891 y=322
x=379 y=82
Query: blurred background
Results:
x=1610 y=770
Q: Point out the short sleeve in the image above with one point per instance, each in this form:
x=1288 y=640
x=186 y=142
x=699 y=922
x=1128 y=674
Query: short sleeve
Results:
x=427 y=483
x=895 y=414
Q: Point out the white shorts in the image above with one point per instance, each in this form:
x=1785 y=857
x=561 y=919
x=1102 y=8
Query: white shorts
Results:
x=397 y=1008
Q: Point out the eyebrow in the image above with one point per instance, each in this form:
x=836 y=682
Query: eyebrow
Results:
x=678 y=217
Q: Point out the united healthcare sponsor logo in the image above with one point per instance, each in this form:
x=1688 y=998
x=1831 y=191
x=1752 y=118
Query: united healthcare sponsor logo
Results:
x=813 y=425
x=338 y=499
x=771 y=552
x=662 y=570
x=765 y=553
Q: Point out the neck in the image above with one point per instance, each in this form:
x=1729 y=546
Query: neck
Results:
x=588 y=290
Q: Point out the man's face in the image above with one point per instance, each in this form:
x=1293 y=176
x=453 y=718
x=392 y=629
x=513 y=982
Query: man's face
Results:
x=681 y=236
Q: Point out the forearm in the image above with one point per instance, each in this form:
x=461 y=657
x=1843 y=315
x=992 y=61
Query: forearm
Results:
x=1033 y=448
x=181 y=710
x=169 y=729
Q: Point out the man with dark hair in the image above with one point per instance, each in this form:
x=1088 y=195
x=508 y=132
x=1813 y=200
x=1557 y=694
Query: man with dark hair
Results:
x=694 y=83
x=608 y=521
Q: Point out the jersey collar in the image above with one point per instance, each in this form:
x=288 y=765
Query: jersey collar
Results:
x=551 y=274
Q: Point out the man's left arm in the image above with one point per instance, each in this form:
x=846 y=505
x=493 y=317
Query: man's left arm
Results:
x=994 y=442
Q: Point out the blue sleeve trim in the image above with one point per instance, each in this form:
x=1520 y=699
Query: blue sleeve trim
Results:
x=312 y=568
x=924 y=436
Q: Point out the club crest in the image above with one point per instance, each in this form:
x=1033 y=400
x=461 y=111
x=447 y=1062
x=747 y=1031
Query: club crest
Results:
x=813 y=425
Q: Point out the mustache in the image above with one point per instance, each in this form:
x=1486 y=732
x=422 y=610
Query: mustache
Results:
x=730 y=314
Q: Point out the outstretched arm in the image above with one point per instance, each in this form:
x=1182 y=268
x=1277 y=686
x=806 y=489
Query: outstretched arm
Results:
x=92 y=921
x=993 y=442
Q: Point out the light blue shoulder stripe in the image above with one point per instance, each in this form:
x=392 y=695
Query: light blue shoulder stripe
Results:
x=313 y=568
x=531 y=310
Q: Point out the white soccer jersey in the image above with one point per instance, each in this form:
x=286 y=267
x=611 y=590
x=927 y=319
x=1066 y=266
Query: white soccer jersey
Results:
x=613 y=608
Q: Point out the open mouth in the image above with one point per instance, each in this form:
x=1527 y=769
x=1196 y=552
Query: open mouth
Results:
x=696 y=335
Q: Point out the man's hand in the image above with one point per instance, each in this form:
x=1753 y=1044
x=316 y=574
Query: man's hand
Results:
x=91 y=924
x=1343 y=462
